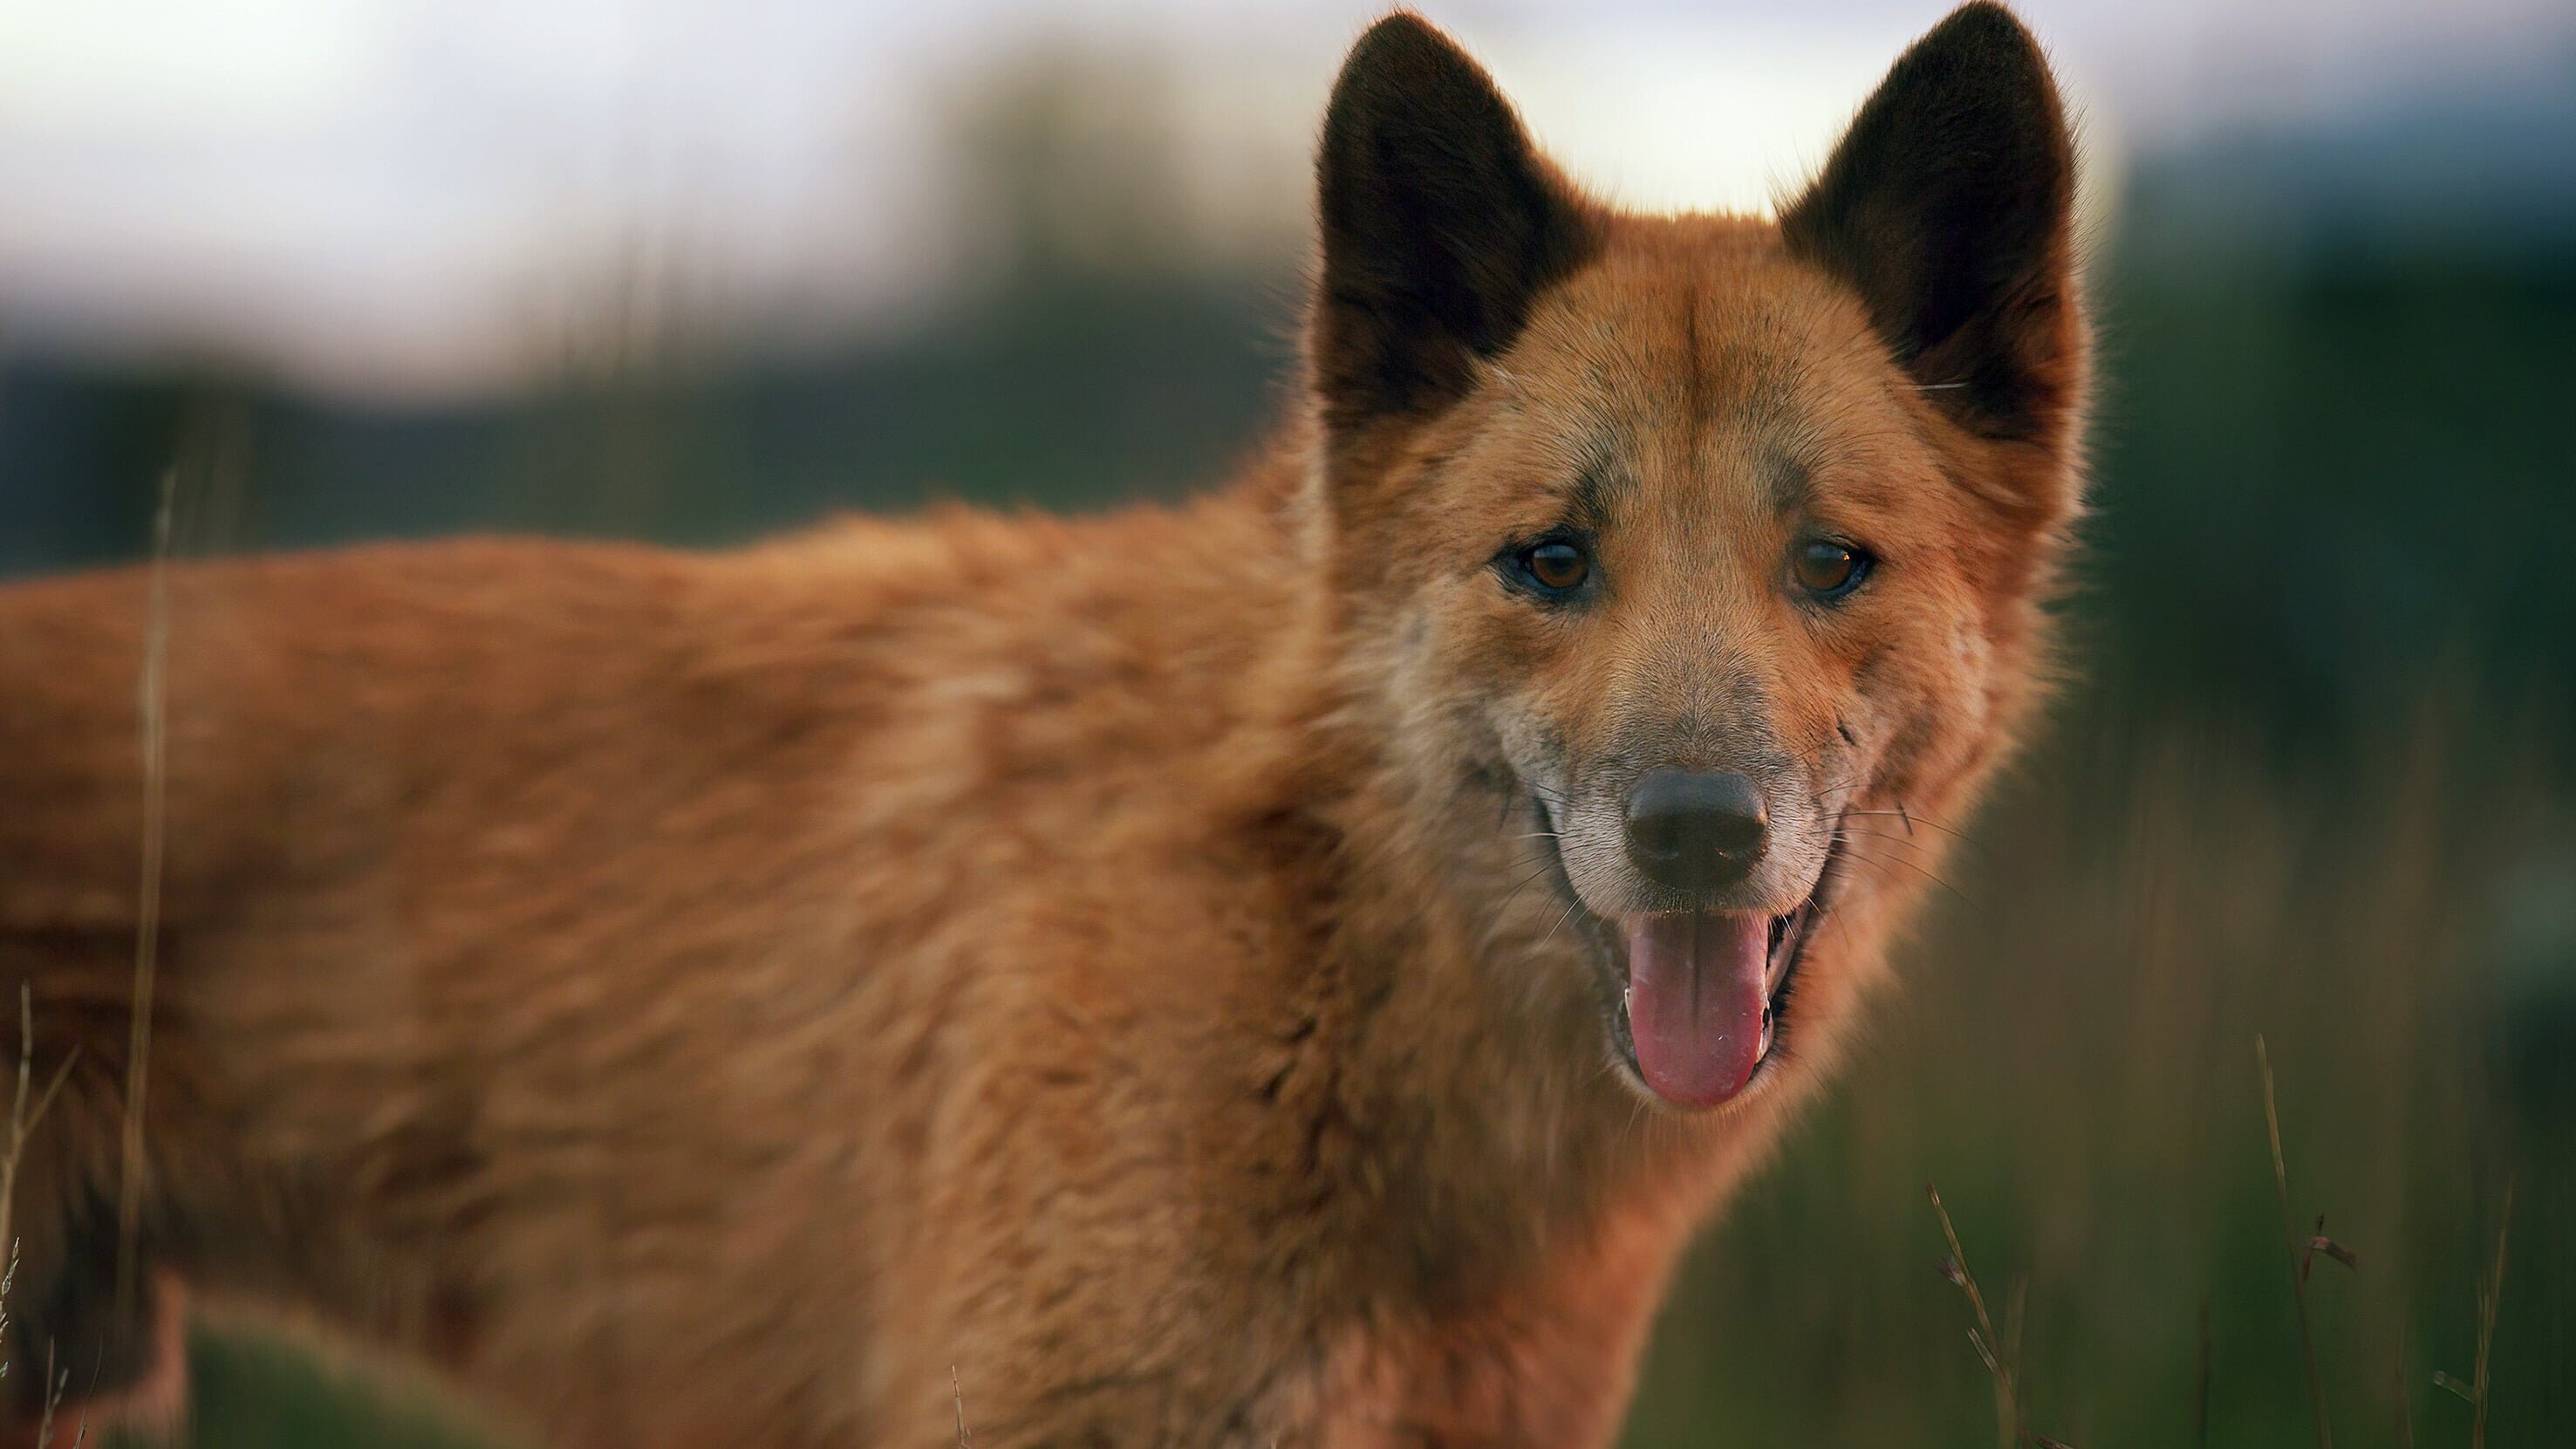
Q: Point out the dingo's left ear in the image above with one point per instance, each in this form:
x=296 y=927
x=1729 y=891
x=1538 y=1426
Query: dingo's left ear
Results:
x=1440 y=224
x=1949 y=206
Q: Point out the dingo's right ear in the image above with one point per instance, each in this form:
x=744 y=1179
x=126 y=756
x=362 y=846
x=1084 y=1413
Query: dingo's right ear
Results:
x=1440 y=222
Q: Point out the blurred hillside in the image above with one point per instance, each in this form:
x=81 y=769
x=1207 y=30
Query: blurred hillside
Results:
x=2317 y=779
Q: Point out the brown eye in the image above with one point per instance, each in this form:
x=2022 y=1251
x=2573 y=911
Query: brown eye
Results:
x=1828 y=570
x=1557 y=567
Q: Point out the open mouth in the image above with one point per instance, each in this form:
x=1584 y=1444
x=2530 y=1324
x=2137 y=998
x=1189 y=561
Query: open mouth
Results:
x=1705 y=998
x=1697 y=1002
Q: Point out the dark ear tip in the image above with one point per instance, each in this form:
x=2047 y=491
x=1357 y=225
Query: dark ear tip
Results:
x=1398 y=27
x=1402 y=42
x=1982 y=61
x=1403 y=76
x=1988 y=34
x=1985 y=22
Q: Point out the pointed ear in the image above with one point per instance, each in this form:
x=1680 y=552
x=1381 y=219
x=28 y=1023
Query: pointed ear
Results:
x=1949 y=206
x=1440 y=224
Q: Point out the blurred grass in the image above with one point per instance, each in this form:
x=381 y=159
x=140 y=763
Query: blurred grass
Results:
x=258 y=1389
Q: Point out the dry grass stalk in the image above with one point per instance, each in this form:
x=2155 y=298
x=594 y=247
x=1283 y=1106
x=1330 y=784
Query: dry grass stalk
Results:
x=2298 y=1259
x=23 y=1117
x=2490 y=1292
x=153 y=696
x=24 y=1113
x=56 y=1381
x=2000 y=1353
x=2488 y=1297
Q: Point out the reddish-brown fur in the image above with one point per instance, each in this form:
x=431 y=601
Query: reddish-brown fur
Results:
x=699 y=999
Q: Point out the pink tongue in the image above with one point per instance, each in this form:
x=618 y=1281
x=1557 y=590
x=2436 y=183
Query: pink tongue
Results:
x=1697 y=989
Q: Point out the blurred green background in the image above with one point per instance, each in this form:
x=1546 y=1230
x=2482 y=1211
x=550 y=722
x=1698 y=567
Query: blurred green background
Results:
x=2315 y=777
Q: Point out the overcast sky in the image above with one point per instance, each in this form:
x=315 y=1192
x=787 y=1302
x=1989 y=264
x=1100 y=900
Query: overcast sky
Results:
x=409 y=197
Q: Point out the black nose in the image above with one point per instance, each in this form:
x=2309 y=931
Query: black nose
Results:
x=1695 y=831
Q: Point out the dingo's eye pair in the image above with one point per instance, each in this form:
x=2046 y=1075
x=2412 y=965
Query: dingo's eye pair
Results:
x=1827 y=569
x=1555 y=567
x=1552 y=568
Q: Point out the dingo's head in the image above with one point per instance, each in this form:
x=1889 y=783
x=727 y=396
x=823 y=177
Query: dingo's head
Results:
x=1716 y=549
